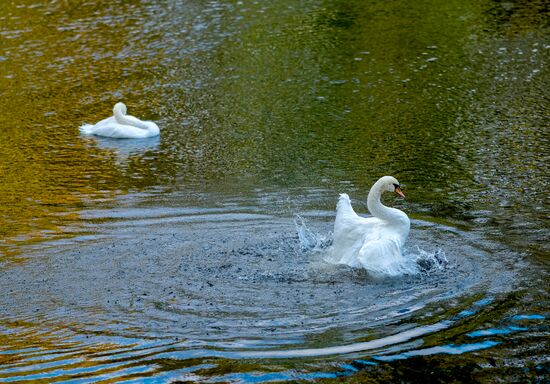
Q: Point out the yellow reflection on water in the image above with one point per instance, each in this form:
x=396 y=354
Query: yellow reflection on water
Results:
x=51 y=84
x=40 y=354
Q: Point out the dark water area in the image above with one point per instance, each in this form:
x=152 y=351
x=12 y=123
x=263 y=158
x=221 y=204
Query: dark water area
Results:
x=199 y=256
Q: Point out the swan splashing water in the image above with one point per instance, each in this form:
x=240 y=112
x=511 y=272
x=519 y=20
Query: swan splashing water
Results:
x=374 y=243
x=121 y=126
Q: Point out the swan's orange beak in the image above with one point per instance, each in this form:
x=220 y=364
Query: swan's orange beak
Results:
x=399 y=191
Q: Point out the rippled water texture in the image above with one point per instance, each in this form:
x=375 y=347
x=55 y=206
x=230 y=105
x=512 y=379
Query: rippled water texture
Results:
x=201 y=255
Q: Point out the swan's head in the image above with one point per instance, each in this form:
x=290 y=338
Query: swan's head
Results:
x=119 y=108
x=390 y=184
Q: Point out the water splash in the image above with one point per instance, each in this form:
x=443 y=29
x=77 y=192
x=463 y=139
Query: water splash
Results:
x=427 y=261
x=310 y=241
x=416 y=260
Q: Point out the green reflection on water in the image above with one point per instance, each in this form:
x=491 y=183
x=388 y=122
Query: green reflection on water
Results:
x=273 y=95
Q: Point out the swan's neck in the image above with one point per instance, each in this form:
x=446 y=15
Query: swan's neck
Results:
x=379 y=210
x=122 y=118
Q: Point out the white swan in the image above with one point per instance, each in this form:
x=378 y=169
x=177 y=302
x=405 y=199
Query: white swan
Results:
x=373 y=243
x=121 y=126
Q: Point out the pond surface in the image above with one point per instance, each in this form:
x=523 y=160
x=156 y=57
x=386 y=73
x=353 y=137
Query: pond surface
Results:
x=199 y=256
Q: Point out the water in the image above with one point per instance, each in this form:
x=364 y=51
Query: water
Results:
x=199 y=255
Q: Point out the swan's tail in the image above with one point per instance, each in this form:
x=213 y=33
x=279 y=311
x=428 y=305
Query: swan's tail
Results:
x=87 y=129
x=343 y=201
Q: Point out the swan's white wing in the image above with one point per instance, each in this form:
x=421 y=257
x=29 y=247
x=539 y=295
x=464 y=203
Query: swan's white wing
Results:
x=134 y=121
x=349 y=233
x=117 y=131
x=381 y=257
x=346 y=218
x=89 y=129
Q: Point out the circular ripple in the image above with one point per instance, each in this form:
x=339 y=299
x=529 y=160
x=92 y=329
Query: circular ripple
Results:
x=237 y=279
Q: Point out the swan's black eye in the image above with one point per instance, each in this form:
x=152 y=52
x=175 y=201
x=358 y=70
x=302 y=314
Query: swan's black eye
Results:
x=396 y=186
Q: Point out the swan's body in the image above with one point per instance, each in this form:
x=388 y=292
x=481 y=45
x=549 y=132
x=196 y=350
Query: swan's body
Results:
x=374 y=243
x=122 y=126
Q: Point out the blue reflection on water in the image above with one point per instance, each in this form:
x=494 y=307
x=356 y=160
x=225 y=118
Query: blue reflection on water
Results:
x=164 y=377
x=365 y=362
x=483 y=302
x=127 y=147
x=469 y=312
x=67 y=372
x=349 y=367
x=449 y=349
x=496 y=331
x=279 y=376
x=18 y=351
x=465 y=313
x=508 y=329
x=528 y=317
x=46 y=365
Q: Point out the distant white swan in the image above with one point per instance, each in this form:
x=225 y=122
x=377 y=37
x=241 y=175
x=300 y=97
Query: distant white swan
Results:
x=121 y=126
x=373 y=243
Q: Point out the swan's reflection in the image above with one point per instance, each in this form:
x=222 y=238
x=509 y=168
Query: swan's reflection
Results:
x=123 y=148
